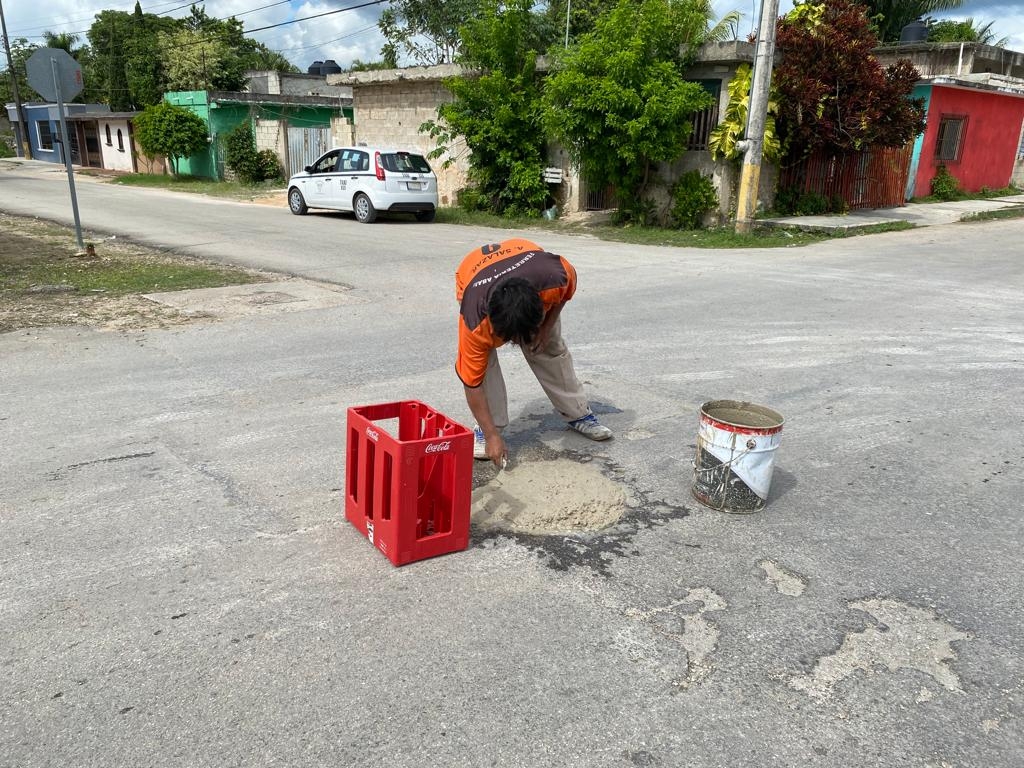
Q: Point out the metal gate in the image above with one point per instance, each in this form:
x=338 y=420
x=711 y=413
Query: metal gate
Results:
x=872 y=179
x=305 y=145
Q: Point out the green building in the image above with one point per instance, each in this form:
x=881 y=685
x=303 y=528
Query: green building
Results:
x=284 y=123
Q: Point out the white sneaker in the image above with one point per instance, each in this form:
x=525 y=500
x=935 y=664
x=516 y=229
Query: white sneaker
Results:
x=590 y=427
x=479 y=443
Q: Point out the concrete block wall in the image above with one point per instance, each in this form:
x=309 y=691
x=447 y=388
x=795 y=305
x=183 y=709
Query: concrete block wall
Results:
x=390 y=114
x=342 y=132
x=272 y=135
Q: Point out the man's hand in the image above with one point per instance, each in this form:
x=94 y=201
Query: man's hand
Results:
x=497 y=451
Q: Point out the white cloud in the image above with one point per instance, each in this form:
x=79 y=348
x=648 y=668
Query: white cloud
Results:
x=342 y=36
x=350 y=35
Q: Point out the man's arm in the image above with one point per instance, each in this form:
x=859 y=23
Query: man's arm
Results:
x=541 y=339
x=497 y=451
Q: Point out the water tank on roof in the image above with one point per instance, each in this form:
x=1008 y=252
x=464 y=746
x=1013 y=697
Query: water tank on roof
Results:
x=330 y=67
x=914 y=32
x=314 y=68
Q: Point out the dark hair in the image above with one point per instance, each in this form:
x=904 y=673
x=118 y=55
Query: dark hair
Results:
x=515 y=310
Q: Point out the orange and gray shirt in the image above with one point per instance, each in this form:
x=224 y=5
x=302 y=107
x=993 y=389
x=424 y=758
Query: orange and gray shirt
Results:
x=475 y=280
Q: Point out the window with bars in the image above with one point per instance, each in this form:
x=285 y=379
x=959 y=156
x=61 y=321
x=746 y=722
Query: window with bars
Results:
x=705 y=121
x=45 y=134
x=949 y=142
x=1020 y=149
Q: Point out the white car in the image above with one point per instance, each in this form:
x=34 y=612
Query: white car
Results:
x=366 y=180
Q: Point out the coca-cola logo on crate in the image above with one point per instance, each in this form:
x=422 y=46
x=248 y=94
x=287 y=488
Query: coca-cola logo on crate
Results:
x=439 y=447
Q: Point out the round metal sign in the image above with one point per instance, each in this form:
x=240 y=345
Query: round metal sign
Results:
x=40 y=71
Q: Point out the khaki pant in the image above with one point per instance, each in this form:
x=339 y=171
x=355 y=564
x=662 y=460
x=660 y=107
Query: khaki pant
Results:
x=552 y=365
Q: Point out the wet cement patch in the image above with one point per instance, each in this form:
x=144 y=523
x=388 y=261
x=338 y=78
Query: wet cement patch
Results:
x=595 y=549
x=549 y=497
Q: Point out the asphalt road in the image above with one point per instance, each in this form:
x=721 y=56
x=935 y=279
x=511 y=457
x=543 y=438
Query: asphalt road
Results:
x=178 y=585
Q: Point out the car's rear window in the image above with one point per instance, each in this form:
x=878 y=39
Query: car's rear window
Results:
x=404 y=162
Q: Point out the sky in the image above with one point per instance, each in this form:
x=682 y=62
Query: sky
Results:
x=351 y=32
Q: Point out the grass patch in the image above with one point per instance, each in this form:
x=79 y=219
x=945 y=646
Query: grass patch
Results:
x=196 y=185
x=1002 y=213
x=44 y=282
x=721 y=237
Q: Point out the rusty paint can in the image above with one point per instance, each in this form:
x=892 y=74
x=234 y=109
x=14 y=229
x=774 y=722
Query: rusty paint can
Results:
x=736 y=444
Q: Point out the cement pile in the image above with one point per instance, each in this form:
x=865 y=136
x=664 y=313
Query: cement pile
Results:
x=549 y=497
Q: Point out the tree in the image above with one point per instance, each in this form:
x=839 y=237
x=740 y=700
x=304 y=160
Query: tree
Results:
x=171 y=131
x=193 y=60
x=65 y=41
x=497 y=110
x=617 y=100
x=427 y=31
x=124 y=68
x=891 y=16
x=966 y=31
x=833 y=93
x=21 y=49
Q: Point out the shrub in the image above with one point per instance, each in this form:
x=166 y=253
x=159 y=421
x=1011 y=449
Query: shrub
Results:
x=692 y=197
x=945 y=185
x=471 y=199
x=241 y=155
x=794 y=202
x=268 y=165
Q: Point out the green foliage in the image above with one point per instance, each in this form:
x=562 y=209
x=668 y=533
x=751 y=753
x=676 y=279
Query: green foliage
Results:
x=426 y=31
x=945 y=185
x=171 y=131
x=833 y=94
x=732 y=127
x=618 y=101
x=268 y=165
x=497 y=113
x=891 y=16
x=693 y=196
x=7 y=145
x=241 y=156
x=793 y=201
x=193 y=60
x=21 y=49
x=966 y=31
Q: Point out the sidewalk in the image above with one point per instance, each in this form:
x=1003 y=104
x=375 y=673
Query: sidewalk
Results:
x=918 y=214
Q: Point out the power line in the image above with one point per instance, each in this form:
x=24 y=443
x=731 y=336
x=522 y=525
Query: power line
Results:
x=318 y=15
x=50 y=27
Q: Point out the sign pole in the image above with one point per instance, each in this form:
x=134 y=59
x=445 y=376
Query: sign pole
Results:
x=65 y=146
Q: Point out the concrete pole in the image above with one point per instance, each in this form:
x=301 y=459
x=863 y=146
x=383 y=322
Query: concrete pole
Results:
x=22 y=122
x=753 y=146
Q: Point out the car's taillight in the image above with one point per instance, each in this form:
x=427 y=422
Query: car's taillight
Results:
x=379 y=168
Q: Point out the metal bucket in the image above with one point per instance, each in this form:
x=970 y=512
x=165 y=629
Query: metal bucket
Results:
x=736 y=442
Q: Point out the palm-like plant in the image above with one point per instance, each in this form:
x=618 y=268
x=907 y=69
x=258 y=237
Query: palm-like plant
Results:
x=966 y=31
x=65 y=41
x=892 y=16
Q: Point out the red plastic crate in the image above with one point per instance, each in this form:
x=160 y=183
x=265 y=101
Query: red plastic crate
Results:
x=410 y=494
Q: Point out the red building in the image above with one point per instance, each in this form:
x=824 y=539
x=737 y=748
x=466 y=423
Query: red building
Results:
x=975 y=128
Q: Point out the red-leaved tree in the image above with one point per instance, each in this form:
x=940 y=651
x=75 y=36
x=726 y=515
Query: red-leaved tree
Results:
x=833 y=93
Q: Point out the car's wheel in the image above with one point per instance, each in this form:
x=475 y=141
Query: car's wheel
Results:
x=425 y=215
x=365 y=212
x=296 y=202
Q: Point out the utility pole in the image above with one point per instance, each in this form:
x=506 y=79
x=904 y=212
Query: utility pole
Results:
x=22 y=123
x=753 y=145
